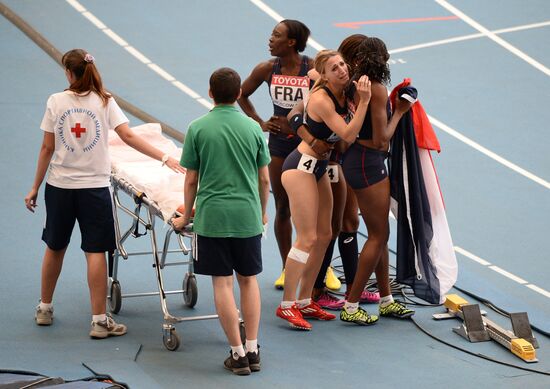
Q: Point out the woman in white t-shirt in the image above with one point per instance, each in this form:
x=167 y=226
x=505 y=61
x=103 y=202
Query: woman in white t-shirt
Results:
x=75 y=153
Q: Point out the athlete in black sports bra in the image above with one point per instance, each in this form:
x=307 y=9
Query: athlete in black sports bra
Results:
x=309 y=189
x=286 y=76
x=319 y=130
x=366 y=173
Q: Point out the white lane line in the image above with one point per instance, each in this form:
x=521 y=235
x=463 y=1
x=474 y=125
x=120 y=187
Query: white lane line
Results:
x=94 y=20
x=467 y=37
x=488 y=152
x=491 y=35
x=435 y=43
x=161 y=72
x=185 y=89
x=505 y=273
x=277 y=17
x=205 y=102
x=114 y=36
x=501 y=271
x=539 y=290
x=523 y=27
x=473 y=257
x=76 y=5
x=137 y=54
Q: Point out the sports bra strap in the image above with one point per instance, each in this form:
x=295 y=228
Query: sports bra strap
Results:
x=304 y=68
x=276 y=66
x=334 y=100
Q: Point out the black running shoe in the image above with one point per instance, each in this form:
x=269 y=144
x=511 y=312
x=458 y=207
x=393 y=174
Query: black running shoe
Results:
x=238 y=366
x=254 y=360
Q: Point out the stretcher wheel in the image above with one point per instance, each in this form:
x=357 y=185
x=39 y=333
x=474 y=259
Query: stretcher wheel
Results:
x=115 y=298
x=171 y=341
x=242 y=330
x=190 y=290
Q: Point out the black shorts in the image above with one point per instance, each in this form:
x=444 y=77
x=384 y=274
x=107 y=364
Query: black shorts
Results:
x=92 y=208
x=220 y=256
x=364 y=166
x=336 y=156
x=281 y=146
x=305 y=163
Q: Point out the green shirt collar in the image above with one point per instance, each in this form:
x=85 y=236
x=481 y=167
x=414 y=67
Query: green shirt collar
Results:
x=225 y=107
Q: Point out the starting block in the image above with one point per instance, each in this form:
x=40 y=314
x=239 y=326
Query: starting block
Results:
x=477 y=328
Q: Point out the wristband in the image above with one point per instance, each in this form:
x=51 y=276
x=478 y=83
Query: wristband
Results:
x=164 y=159
x=296 y=122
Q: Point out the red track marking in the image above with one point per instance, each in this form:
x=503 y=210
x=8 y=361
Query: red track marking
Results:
x=355 y=25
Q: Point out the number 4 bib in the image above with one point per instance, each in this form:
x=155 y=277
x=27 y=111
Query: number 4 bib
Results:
x=307 y=163
x=332 y=171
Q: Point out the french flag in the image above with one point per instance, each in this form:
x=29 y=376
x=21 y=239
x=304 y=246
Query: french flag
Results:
x=426 y=259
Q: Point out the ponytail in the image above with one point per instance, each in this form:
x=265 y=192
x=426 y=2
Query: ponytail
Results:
x=86 y=76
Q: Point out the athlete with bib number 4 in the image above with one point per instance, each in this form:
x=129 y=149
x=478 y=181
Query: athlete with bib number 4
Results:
x=308 y=187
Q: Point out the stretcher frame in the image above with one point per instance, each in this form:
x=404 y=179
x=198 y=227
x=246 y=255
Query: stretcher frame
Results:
x=170 y=337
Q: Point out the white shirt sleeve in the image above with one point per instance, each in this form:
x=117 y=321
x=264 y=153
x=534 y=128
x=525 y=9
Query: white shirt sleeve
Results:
x=49 y=119
x=115 y=116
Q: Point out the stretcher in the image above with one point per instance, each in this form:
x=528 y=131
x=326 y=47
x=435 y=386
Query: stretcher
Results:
x=157 y=193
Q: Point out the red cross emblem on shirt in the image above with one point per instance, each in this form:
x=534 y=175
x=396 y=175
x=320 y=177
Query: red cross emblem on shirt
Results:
x=78 y=130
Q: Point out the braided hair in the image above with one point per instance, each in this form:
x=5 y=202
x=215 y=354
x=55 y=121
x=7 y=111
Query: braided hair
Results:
x=372 y=60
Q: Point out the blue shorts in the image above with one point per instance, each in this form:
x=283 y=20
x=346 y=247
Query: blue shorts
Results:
x=311 y=165
x=220 y=256
x=281 y=146
x=364 y=166
x=92 y=208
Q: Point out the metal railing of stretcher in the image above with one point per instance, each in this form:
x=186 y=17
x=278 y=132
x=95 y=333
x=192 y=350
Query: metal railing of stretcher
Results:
x=170 y=337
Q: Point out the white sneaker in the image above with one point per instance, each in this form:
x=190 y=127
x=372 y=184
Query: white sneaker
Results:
x=106 y=328
x=43 y=317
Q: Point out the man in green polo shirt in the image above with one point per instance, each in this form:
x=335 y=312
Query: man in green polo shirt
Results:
x=226 y=157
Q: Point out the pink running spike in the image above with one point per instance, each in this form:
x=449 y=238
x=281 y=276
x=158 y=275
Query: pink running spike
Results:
x=369 y=297
x=328 y=301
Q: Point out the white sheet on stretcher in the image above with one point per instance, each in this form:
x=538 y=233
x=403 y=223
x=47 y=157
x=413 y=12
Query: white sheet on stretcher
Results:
x=159 y=183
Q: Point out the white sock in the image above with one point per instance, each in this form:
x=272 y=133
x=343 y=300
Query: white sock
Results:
x=351 y=307
x=98 y=318
x=386 y=300
x=44 y=307
x=287 y=304
x=251 y=346
x=237 y=351
x=303 y=303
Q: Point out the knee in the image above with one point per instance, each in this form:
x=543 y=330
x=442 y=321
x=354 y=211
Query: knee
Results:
x=222 y=282
x=282 y=210
x=325 y=236
x=307 y=241
x=336 y=228
x=246 y=281
x=380 y=240
x=350 y=223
